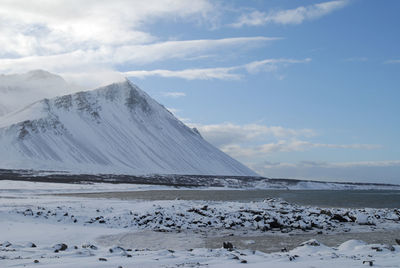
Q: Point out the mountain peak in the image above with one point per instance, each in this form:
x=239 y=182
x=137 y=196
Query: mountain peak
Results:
x=42 y=74
x=113 y=129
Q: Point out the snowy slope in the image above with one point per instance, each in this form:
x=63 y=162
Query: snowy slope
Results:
x=19 y=90
x=114 y=129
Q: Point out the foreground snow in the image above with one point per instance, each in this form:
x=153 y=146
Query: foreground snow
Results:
x=35 y=227
x=311 y=254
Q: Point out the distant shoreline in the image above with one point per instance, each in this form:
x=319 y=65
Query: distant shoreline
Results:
x=177 y=180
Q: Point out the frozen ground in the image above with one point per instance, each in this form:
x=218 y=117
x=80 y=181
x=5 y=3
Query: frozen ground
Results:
x=101 y=232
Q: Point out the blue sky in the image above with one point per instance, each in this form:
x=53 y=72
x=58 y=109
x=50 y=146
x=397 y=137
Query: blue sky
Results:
x=298 y=89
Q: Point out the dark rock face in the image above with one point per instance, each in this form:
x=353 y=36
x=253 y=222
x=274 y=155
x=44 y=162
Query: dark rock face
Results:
x=134 y=100
x=64 y=102
x=86 y=105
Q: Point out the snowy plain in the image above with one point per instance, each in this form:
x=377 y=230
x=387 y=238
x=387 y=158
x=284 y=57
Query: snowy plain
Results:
x=92 y=229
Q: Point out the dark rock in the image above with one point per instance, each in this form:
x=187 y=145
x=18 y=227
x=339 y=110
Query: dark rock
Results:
x=116 y=249
x=312 y=242
x=275 y=224
x=102 y=259
x=36 y=261
x=31 y=245
x=243 y=261
x=397 y=241
x=6 y=244
x=90 y=246
x=258 y=218
x=371 y=263
x=204 y=208
x=227 y=245
x=339 y=218
x=60 y=247
x=326 y=212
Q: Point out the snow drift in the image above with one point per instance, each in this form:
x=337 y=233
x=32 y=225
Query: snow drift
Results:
x=113 y=129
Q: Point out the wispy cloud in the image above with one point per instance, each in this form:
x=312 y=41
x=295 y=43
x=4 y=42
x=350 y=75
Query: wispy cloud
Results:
x=189 y=74
x=148 y=53
x=293 y=145
x=271 y=64
x=229 y=133
x=394 y=61
x=364 y=171
x=252 y=141
x=356 y=59
x=223 y=73
x=290 y=16
x=174 y=94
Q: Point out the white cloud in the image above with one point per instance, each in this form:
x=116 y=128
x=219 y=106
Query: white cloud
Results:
x=290 y=16
x=292 y=145
x=254 y=141
x=92 y=61
x=81 y=38
x=45 y=27
x=271 y=64
x=227 y=133
x=189 y=74
x=181 y=49
x=364 y=171
x=223 y=73
x=174 y=94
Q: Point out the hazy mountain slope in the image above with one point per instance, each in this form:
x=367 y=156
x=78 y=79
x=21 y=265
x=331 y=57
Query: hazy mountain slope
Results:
x=19 y=90
x=114 y=129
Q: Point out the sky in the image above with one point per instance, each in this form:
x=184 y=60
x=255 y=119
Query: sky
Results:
x=293 y=89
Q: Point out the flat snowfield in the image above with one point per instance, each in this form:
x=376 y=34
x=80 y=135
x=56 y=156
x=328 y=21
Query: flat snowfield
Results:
x=41 y=229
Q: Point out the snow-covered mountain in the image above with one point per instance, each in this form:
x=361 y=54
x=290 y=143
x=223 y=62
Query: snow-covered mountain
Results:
x=19 y=90
x=113 y=129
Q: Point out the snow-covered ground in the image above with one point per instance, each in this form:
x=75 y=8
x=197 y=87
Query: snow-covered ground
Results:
x=34 y=227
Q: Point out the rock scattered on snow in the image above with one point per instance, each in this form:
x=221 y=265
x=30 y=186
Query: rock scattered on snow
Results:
x=60 y=247
x=271 y=215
